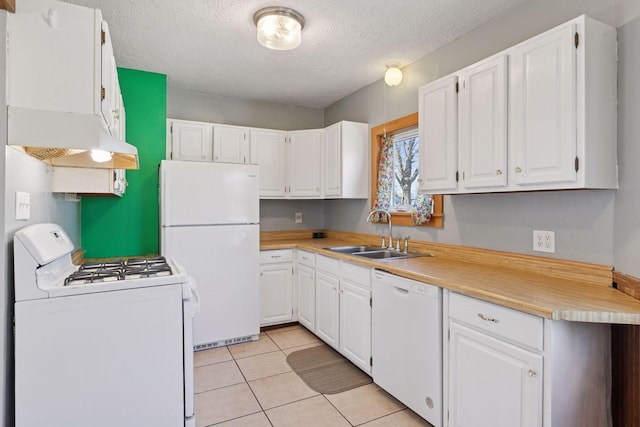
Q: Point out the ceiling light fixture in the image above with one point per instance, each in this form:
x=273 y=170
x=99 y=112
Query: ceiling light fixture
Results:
x=279 y=28
x=393 y=75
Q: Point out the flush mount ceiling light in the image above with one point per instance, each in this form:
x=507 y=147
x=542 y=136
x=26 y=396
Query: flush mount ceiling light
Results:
x=279 y=28
x=393 y=75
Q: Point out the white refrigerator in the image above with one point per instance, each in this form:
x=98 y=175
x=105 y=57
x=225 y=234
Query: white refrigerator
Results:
x=209 y=223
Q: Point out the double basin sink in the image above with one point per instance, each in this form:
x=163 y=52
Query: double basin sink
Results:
x=372 y=252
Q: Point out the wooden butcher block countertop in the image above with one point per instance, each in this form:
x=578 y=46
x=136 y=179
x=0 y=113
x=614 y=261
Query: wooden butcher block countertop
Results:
x=551 y=288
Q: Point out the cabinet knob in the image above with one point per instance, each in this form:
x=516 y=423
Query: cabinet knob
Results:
x=518 y=170
x=498 y=172
x=487 y=318
x=532 y=373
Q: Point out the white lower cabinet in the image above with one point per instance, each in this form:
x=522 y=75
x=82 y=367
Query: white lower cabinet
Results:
x=276 y=287
x=306 y=275
x=327 y=308
x=492 y=383
x=343 y=309
x=507 y=368
x=355 y=324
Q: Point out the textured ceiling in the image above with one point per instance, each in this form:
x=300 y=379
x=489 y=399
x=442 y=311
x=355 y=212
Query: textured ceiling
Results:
x=210 y=47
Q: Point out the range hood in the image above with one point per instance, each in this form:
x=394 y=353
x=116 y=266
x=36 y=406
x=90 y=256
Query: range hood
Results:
x=66 y=139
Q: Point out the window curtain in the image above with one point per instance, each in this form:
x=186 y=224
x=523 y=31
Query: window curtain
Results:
x=422 y=209
x=385 y=177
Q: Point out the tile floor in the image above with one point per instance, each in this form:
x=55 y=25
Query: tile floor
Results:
x=251 y=385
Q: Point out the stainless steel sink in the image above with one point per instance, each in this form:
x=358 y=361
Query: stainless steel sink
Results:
x=382 y=254
x=353 y=249
x=373 y=252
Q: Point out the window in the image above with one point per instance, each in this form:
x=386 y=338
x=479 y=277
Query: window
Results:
x=401 y=129
x=404 y=187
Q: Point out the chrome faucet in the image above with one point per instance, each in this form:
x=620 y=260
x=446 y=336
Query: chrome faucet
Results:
x=386 y=212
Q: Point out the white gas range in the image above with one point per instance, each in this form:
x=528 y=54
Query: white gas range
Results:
x=103 y=344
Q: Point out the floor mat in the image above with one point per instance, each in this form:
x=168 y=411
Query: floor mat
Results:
x=326 y=371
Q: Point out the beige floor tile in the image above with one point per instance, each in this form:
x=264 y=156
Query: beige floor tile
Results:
x=405 y=418
x=263 y=345
x=312 y=412
x=283 y=329
x=255 y=420
x=280 y=389
x=290 y=350
x=365 y=403
x=208 y=357
x=263 y=365
x=225 y=404
x=293 y=338
x=218 y=375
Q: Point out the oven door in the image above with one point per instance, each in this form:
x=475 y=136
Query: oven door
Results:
x=191 y=306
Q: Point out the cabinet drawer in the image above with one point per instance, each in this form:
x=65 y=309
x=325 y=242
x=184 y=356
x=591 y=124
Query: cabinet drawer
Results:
x=306 y=258
x=328 y=265
x=280 y=255
x=516 y=326
x=356 y=274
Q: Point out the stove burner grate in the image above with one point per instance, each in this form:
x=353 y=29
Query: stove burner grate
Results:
x=134 y=268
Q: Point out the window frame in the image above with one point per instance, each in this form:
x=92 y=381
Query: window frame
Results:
x=395 y=127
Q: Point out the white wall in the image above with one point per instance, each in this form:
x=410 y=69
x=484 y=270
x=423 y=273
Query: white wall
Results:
x=627 y=201
x=583 y=220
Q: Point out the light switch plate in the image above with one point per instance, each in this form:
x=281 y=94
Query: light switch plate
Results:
x=298 y=217
x=23 y=206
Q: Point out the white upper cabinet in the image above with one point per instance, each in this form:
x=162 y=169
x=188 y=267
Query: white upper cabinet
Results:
x=189 y=140
x=482 y=127
x=543 y=108
x=538 y=116
x=304 y=163
x=44 y=75
x=77 y=59
x=438 y=110
x=563 y=108
x=268 y=150
x=230 y=144
x=345 y=161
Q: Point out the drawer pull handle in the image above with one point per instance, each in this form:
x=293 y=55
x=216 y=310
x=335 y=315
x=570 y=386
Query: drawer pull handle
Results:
x=276 y=256
x=488 y=319
x=532 y=373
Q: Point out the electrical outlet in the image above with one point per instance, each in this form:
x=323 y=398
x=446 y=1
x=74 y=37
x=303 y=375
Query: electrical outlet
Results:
x=544 y=241
x=298 y=217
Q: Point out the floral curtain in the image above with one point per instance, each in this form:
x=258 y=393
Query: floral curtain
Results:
x=422 y=209
x=385 y=177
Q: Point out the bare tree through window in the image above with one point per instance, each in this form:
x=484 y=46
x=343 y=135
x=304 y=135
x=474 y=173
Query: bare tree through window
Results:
x=405 y=169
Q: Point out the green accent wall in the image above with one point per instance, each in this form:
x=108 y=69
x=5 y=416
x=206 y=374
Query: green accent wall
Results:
x=128 y=226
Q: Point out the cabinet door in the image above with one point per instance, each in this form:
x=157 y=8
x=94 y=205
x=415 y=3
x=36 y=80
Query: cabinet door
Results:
x=270 y=151
x=482 y=124
x=438 y=110
x=307 y=297
x=327 y=304
x=492 y=383
x=355 y=324
x=109 y=76
x=332 y=176
x=304 y=163
x=543 y=109
x=230 y=144
x=276 y=290
x=54 y=61
x=191 y=141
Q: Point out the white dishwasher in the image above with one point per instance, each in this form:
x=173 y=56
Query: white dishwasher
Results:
x=406 y=343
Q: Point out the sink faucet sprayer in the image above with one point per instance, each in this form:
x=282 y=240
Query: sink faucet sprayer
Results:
x=386 y=212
